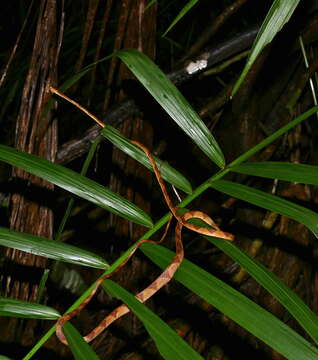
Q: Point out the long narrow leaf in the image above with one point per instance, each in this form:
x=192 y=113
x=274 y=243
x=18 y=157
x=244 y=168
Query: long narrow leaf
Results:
x=52 y=249
x=269 y=139
x=167 y=172
x=278 y=15
x=270 y=202
x=170 y=345
x=170 y=98
x=150 y=3
x=25 y=309
x=75 y=183
x=296 y=307
x=181 y=14
x=307 y=174
x=78 y=346
x=67 y=213
x=236 y=306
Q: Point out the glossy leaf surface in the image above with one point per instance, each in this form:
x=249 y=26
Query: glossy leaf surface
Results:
x=236 y=306
x=49 y=248
x=174 y=103
x=278 y=15
x=25 y=309
x=75 y=183
x=170 y=345
x=270 y=202
x=167 y=172
x=78 y=346
x=306 y=174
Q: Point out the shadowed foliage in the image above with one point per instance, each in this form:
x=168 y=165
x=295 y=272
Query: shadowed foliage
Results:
x=223 y=93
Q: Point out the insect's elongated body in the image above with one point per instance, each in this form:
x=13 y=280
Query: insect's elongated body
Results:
x=167 y=274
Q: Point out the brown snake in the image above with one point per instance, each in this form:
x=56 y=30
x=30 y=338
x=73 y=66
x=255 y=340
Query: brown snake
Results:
x=165 y=276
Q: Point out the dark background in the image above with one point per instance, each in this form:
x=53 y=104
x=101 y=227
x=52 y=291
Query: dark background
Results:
x=45 y=43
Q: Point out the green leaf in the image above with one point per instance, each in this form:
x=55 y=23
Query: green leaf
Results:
x=236 y=306
x=170 y=345
x=85 y=166
x=261 y=145
x=270 y=202
x=75 y=183
x=78 y=346
x=181 y=14
x=307 y=174
x=170 y=98
x=167 y=172
x=42 y=285
x=278 y=15
x=52 y=249
x=295 y=306
x=2 y=357
x=149 y=4
x=25 y=309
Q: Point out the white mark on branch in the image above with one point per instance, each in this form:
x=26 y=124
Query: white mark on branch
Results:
x=196 y=66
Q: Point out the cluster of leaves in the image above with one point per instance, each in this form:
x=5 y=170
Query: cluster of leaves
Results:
x=229 y=301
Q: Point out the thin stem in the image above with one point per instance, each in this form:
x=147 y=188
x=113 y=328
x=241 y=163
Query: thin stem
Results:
x=273 y=137
x=311 y=83
x=57 y=92
x=83 y=172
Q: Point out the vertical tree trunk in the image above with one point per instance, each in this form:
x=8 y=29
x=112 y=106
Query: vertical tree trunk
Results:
x=35 y=134
x=136 y=29
x=140 y=34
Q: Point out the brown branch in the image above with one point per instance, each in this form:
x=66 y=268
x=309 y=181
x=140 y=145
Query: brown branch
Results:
x=30 y=209
x=90 y=18
x=210 y=31
x=120 y=33
x=15 y=47
x=77 y=147
x=100 y=41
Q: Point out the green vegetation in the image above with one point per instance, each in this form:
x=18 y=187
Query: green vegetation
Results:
x=235 y=305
